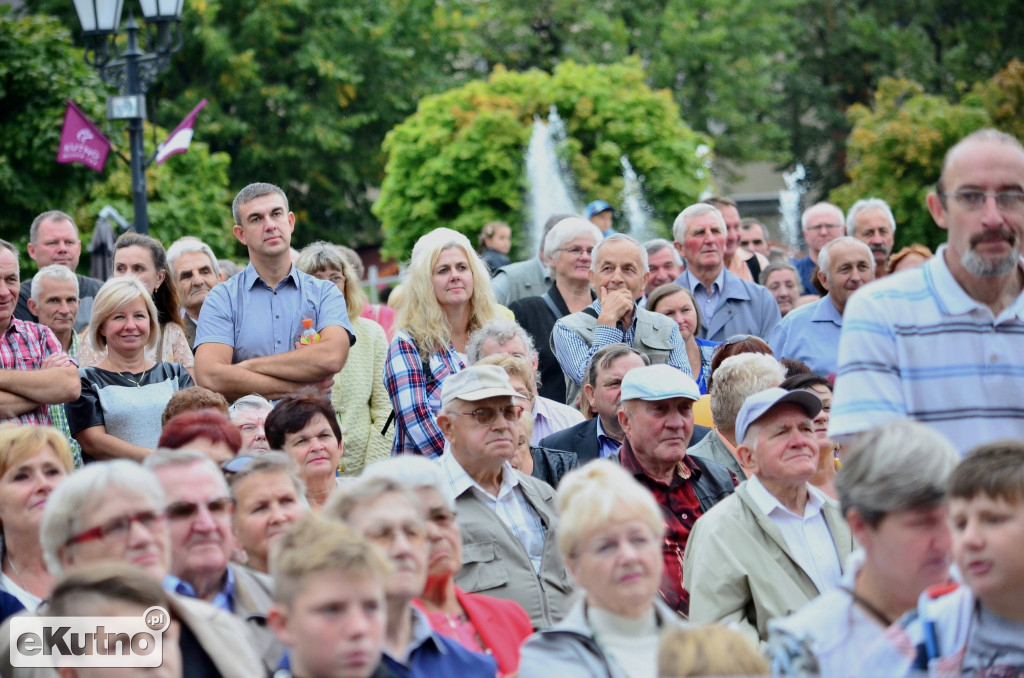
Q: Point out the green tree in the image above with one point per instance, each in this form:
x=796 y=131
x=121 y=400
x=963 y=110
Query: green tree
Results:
x=458 y=162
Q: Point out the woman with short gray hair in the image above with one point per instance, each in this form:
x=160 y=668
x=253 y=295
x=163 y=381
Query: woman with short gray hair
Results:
x=892 y=490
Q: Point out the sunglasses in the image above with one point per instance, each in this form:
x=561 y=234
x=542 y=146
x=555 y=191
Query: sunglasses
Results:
x=236 y=464
x=187 y=510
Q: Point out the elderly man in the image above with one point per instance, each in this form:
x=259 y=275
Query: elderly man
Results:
x=618 y=273
x=942 y=343
x=739 y=261
x=199 y=522
x=196 y=272
x=729 y=305
x=248 y=332
x=820 y=223
x=502 y=335
x=53 y=240
x=736 y=379
x=249 y=414
x=657 y=418
x=34 y=370
x=778 y=542
x=810 y=333
x=754 y=237
x=507 y=519
x=871 y=221
x=782 y=280
x=528 y=278
x=664 y=263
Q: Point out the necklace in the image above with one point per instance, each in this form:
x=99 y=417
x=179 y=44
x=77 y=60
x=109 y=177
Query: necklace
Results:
x=17 y=576
x=138 y=382
x=879 y=616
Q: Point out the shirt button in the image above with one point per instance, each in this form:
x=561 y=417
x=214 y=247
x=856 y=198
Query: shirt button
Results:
x=993 y=359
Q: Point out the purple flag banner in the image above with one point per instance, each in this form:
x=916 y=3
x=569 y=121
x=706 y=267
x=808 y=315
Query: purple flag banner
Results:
x=81 y=141
x=181 y=138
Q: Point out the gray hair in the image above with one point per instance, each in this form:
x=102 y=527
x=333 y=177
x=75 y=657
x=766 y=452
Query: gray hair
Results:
x=348 y=498
x=501 y=330
x=413 y=472
x=778 y=266
x=270 y=462
x=566 y=230
x=4 y=245
x=250 y=193
x=657 y=245
x=619 y=237
x=228 y=268
x=247 y=403
x=681 y=224
x=167 y=458
x=825 y=259
x=54 y=215
x=818 y=206
x=81 y=492
x=187 y=245
x=900 y=465
x=52 y=272
x=736 y=379
x=114 y=294
x=866 y=205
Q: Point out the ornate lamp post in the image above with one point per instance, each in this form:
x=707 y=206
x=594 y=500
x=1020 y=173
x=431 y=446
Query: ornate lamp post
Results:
x=131 y=70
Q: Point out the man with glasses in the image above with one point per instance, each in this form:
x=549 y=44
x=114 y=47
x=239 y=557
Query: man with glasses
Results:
x=821 y=223
x=508 y=520
x=199 y=511
x=942 y=343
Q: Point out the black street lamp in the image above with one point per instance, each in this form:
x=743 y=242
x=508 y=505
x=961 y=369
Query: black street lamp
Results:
x=132 y=70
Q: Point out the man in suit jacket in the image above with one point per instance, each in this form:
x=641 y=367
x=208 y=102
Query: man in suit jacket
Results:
x=776 y=543
x=730 y=305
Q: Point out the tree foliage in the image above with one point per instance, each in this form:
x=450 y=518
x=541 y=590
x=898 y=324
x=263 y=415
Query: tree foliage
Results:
x=459 y=161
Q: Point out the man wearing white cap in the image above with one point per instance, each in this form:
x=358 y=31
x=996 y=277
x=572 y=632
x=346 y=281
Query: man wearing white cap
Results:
x=778 y=542
x=507 y=519
x=657 y=418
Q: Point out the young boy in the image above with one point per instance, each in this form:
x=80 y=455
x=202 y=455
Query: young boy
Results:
x=329 y=606
x=978 y=629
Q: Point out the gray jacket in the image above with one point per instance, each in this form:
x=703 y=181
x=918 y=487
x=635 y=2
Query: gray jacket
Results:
x=711 y=447
x=520 y=279
x=569 y=649
x=743 y=308
x=495 y=563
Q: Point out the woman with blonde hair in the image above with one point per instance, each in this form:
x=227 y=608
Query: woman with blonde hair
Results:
x=358 y=395
x=124 y=395
x=447 y=295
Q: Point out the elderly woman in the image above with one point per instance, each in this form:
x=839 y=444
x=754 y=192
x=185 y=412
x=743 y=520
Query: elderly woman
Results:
x=125 y=393
x=610 y=537
x=249 y=413
x=143 y=257
x=828 y=451
x=677 y=303
x=358 y=393
x=480 y=623
x=447 y=295
x=269 y=497
x=207 y=431
x=33 y=461
x=892 y=491
x=567 y=251
x=115 y=511
x=304 y=426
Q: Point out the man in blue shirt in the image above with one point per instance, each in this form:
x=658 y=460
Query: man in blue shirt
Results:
x=248 y=332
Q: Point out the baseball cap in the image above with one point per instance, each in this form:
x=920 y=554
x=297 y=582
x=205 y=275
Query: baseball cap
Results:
x=658 y=382
x=477 y=383
x=597 y=207
x=757 y=405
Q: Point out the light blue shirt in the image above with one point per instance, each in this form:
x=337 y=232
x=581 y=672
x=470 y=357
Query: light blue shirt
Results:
x=708 y=299
x=810 y=334
x=608 y=446
x=257 y=320
x=224 y=600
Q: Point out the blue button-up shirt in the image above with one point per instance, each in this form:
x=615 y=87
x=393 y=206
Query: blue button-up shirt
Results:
x=257 y=320
x=608 y=446
x=707 y=298
x=810 y=334
x=224 y=600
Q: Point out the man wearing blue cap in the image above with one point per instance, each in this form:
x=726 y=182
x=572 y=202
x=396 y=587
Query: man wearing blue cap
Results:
x=601 y=214
x=657 y=418
x=778 y=542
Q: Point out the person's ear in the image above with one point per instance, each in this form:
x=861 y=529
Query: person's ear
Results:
x=34 y=308
x=446 y=423
x=588 y=393
x=823 y=279
x=624 y=422
x=858 y=526
x=745 y=455
x=277 y=620
x=239 y=233
x=937 y=210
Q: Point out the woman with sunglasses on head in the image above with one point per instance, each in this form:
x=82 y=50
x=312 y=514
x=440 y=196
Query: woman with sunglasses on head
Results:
x=678 y=303
x=567 y=254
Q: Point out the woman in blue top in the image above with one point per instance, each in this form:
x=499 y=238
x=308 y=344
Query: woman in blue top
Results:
x=677 y=303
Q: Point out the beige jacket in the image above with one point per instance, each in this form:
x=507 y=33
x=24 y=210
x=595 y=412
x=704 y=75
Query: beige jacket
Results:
x=254 y=594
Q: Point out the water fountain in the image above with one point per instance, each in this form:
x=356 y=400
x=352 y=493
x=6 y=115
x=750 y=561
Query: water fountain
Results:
x=790 y=204
x=550 y=184
x=635 y=209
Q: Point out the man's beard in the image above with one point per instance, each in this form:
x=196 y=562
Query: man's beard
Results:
x=978 y=266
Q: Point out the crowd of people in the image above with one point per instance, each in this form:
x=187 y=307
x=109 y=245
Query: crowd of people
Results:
x=704 y=456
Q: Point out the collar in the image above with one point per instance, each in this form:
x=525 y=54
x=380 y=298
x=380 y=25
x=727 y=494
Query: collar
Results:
x=420 y=635
x=767 y=503
x=953 y=299
x=600 y=429
x=686 y=470
x=460 y=481
x=692 y=281
x=251 y=277
x=224 y=599
x=826 y=311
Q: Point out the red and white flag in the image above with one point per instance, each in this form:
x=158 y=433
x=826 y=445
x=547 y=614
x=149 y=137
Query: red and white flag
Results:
x=181 y=137
x=81 y=141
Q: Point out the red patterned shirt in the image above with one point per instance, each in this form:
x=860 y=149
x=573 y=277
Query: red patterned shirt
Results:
x=23 y=346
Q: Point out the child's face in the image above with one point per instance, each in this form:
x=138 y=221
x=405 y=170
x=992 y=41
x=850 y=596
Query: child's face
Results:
x=987 y=538
x=335 y=627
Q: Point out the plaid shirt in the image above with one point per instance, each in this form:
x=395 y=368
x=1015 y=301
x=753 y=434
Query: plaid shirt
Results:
x=414 y=400
x=23 y=346
x=59 y=417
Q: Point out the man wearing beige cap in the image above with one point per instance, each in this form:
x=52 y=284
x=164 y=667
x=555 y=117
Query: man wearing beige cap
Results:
x=777 y=543
x=657 y=417
x=507 y=519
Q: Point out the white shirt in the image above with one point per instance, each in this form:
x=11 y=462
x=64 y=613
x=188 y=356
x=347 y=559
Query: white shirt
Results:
x=510 y=505
x=550 y=416
x=807 y=536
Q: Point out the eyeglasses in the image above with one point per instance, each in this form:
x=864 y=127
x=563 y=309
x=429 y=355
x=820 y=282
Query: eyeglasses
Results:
x=118 y=529
x=971 y=200
x=577 y=251
x=187 y=510
x=486 y=416
x=819 y=227
x=387 y=534
x=236 y=464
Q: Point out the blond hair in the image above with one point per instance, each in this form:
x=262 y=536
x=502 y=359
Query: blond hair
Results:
x=114 y=294
x=320 y=256
x=707 y=651
x=19 y=443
